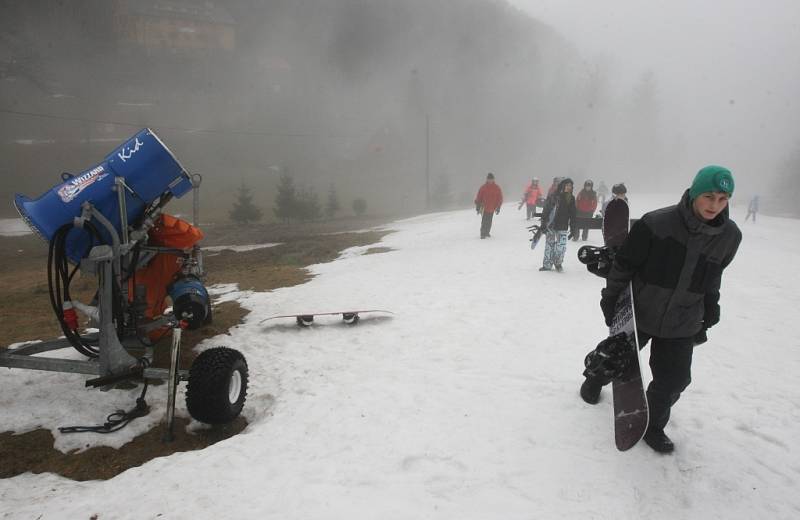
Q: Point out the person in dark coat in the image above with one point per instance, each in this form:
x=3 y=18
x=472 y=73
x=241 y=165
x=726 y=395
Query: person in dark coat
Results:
x=674 y=257
x=487 y=203
x=558 y=221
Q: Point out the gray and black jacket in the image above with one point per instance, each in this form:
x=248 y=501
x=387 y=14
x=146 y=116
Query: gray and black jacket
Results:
x=675 y=261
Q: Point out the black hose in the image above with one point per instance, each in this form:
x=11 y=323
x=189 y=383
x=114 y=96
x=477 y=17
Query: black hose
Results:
x=116 y=420
x=58 y=281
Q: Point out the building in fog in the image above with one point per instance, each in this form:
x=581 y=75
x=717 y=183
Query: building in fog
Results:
x=175 y=25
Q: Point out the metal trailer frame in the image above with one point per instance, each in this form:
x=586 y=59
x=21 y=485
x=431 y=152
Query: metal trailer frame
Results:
x=114 y=362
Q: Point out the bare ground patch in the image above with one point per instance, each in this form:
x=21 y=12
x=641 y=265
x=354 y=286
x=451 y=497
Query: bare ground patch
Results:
x=27 y=315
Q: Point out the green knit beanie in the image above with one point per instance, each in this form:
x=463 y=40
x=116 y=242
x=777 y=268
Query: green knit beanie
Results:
x=712 y=178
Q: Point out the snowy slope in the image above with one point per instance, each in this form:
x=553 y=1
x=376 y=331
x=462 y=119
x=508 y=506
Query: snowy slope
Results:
x=13 y=227
x=465 y=403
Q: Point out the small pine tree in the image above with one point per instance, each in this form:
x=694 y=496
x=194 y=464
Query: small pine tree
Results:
x=359 y=207
x=286 y=199
x=332 y=206
x=308 y=206
x=244 y=211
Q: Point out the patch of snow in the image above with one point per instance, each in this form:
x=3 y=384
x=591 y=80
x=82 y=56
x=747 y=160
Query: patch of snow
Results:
x=13 y=227
x=240 y=249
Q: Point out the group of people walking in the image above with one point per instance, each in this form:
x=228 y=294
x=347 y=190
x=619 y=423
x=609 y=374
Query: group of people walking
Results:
x=673 y=259
x=564 y=216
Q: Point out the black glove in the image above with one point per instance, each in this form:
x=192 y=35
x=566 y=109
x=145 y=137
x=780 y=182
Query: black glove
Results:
x=700 y=337
x=607 y=304
x=497 y=211
x=711 y=316
x=478 y=209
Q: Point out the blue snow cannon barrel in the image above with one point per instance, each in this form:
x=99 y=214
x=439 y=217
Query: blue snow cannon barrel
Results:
x=190 y=301
x=149 y=169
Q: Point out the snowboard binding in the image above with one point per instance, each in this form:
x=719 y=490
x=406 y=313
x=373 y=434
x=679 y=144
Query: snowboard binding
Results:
x=610 y=360
x=598 y=260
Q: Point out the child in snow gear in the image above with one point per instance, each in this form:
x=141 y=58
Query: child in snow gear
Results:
x=585 y=205
x=533 y=192
x=558 y=218
x=752 y=209
x=487 y=203
x=675 y=257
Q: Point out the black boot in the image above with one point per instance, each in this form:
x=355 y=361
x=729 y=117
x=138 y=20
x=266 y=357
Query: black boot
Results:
x=590 y=391
x=659 y=441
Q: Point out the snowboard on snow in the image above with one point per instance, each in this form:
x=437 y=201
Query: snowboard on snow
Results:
x=617 y=357
x=307 y=319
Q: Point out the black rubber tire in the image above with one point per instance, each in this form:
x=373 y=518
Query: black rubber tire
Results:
x=210 y=378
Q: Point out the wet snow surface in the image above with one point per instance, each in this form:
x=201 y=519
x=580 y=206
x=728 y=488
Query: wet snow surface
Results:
x=13 y=227
x=464 y=404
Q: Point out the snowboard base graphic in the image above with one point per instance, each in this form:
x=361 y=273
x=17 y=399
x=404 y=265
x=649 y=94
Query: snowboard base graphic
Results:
x=617 y=358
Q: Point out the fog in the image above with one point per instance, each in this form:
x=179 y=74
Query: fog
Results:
x=727 y=74
x=405 y=104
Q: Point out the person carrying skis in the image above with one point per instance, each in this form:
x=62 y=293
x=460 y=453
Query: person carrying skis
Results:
x=487 y=203
x=533 y=192
x=585 y=204
x=558 y=220
x=674 y=257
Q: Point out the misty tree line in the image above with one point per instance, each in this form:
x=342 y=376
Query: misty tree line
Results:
x=292 y=204
x=502 y=92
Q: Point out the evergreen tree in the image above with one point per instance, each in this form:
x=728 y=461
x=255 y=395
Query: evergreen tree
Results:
x=332 y=206
x=244 y=211
x=308 y=206
x=286 y=199
x=359 y=207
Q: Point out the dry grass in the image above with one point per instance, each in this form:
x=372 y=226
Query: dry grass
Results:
x=27 y=315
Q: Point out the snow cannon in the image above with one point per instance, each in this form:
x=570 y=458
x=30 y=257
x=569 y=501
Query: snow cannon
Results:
x=136 y=174
x=109 y=220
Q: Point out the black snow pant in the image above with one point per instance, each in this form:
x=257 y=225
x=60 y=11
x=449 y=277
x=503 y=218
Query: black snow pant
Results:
x=486 y=223
x=671 y=366
x=584 y=229
x=531 y=211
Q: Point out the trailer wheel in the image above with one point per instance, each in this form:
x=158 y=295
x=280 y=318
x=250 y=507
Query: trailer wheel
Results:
x=217 y=386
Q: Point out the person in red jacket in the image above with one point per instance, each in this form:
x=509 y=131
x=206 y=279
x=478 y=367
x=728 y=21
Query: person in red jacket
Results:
x=487 y=203
x=585 y=205
x=533 y=193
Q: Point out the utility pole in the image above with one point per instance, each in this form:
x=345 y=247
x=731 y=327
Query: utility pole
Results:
x=427 y=162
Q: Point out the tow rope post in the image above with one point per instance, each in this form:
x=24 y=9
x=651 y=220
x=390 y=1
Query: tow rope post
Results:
x=172 y=382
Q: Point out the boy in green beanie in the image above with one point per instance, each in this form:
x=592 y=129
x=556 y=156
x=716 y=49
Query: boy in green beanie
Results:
x=674 y=257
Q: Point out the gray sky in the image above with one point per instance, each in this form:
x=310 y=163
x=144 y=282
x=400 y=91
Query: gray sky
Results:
x=728 y=70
